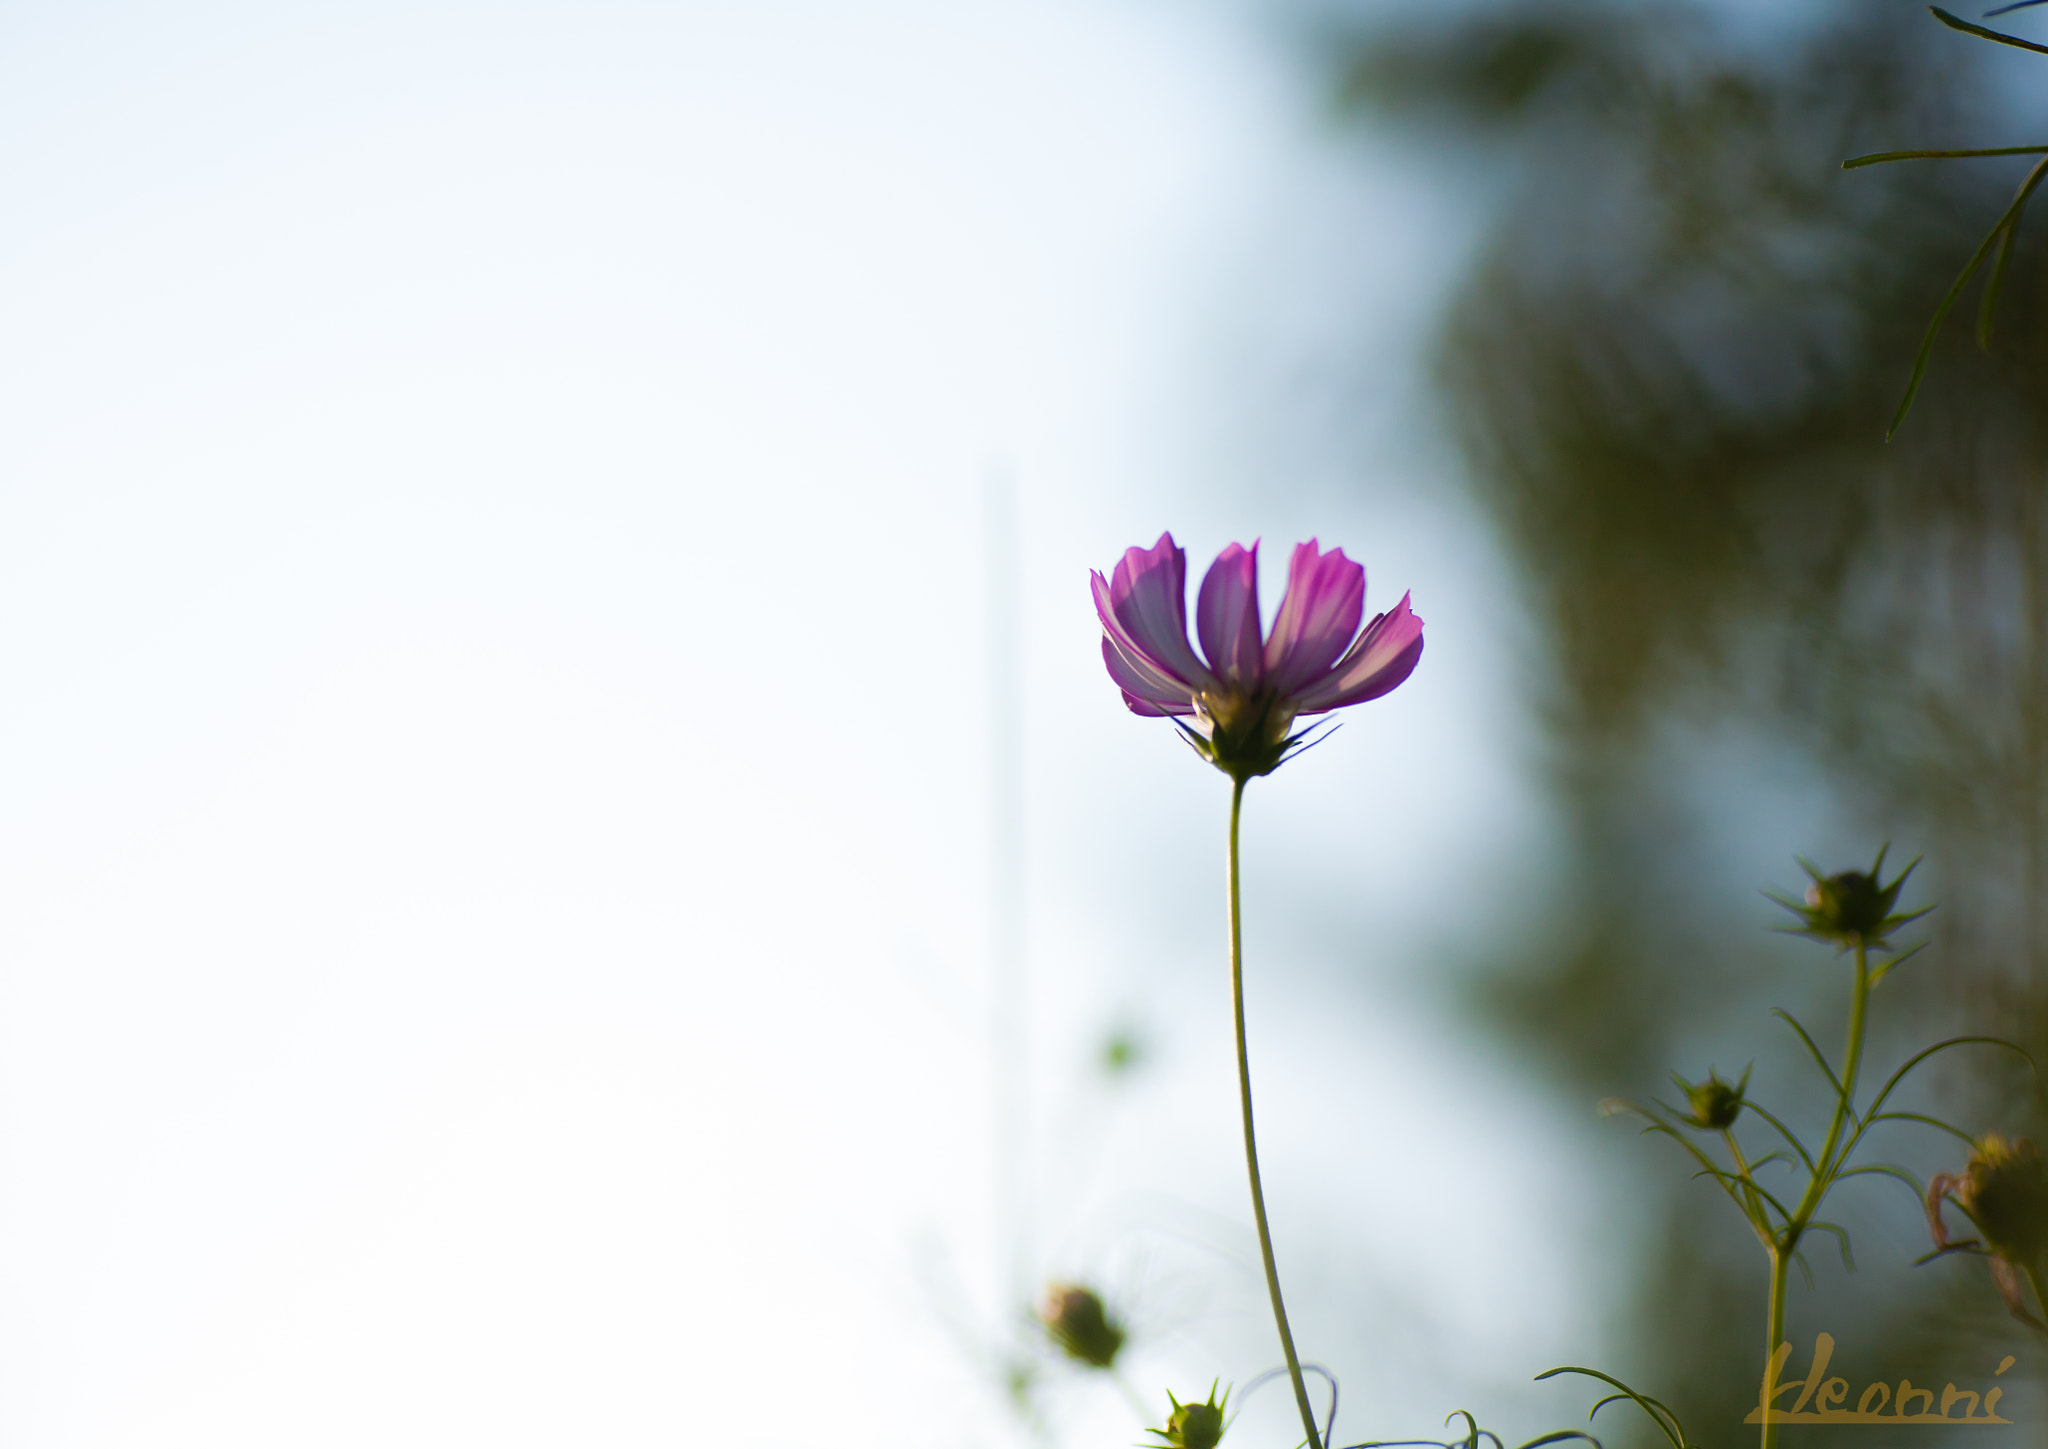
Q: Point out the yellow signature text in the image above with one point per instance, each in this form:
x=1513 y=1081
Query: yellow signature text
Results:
x=1822 y=1399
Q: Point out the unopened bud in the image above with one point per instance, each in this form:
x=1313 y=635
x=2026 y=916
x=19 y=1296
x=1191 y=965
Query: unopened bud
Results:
x=1715 y=1103
x=1849 y=904
x=1852 y=907
x=1076 y=1320
x=1192 y=1425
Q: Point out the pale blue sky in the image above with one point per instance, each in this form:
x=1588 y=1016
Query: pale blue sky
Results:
x=492 y=814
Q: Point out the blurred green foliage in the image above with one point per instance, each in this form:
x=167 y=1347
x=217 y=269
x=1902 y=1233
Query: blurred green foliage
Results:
x=1671 y=365
x=1122 y=1053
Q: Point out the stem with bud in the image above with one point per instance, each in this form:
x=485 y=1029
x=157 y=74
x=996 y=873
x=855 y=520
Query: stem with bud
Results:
x=1825 y=1170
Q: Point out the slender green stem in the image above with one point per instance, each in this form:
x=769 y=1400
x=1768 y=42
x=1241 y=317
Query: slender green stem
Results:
x=1825 y=1167
x=1825 y=1170
x=1774 y=1334
x=1251 y=1149
x=1878 y=158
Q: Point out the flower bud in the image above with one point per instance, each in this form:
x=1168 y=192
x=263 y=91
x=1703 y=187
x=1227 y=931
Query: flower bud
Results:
x=1852 y=907
x=1076 y=1320
x=2005 y=1191
x=1849 y=904
x=1194 y=1426
x=1715 y=1104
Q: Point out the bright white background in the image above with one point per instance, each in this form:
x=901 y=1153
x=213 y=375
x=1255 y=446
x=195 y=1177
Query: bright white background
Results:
x=493 y=813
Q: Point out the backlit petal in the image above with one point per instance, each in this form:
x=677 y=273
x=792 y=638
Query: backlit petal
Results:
x=1319 y=613
x=1141 y=688
x=1155 y=679
x=1385 y=654
x=1148 y=593
x=1227 y=617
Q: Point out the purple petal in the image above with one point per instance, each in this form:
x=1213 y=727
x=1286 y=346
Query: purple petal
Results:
x=1319 y=613
x=1227 y=617
x=1385 y=655
x=1142 y=694
x=1148 y=593
x=1153 y=680
x=1146 y=708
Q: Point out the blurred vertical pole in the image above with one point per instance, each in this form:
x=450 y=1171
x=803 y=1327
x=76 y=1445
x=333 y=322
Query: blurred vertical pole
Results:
x=2034 y=735
x=2033 y=721
x=1009 y=998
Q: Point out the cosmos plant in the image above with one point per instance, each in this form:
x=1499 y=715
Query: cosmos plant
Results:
x=1854 y=911
x=1237 y=703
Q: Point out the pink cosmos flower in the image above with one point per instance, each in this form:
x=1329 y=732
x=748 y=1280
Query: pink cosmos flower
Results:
x=1246 y=696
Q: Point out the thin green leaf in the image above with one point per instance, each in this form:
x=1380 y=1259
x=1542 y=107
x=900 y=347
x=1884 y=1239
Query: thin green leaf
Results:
x=1709 y=1168
x=1954 y=22
x=1784 y=1131
x=1700 y=1157
x=1885 y=1169
x=1615 y=1106
x=1472 y=1429
x=1926 y=352
x=1929 y=1121
x=1885 y=968
x=1941 y=1046
x=1725 y=1180
x=1833 y=1080
x=1660 y=1117
x=1880 y=157
x=1751 y=1184
x=1841 y=1237
x=1558 y=1436
x=1662 y=1417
